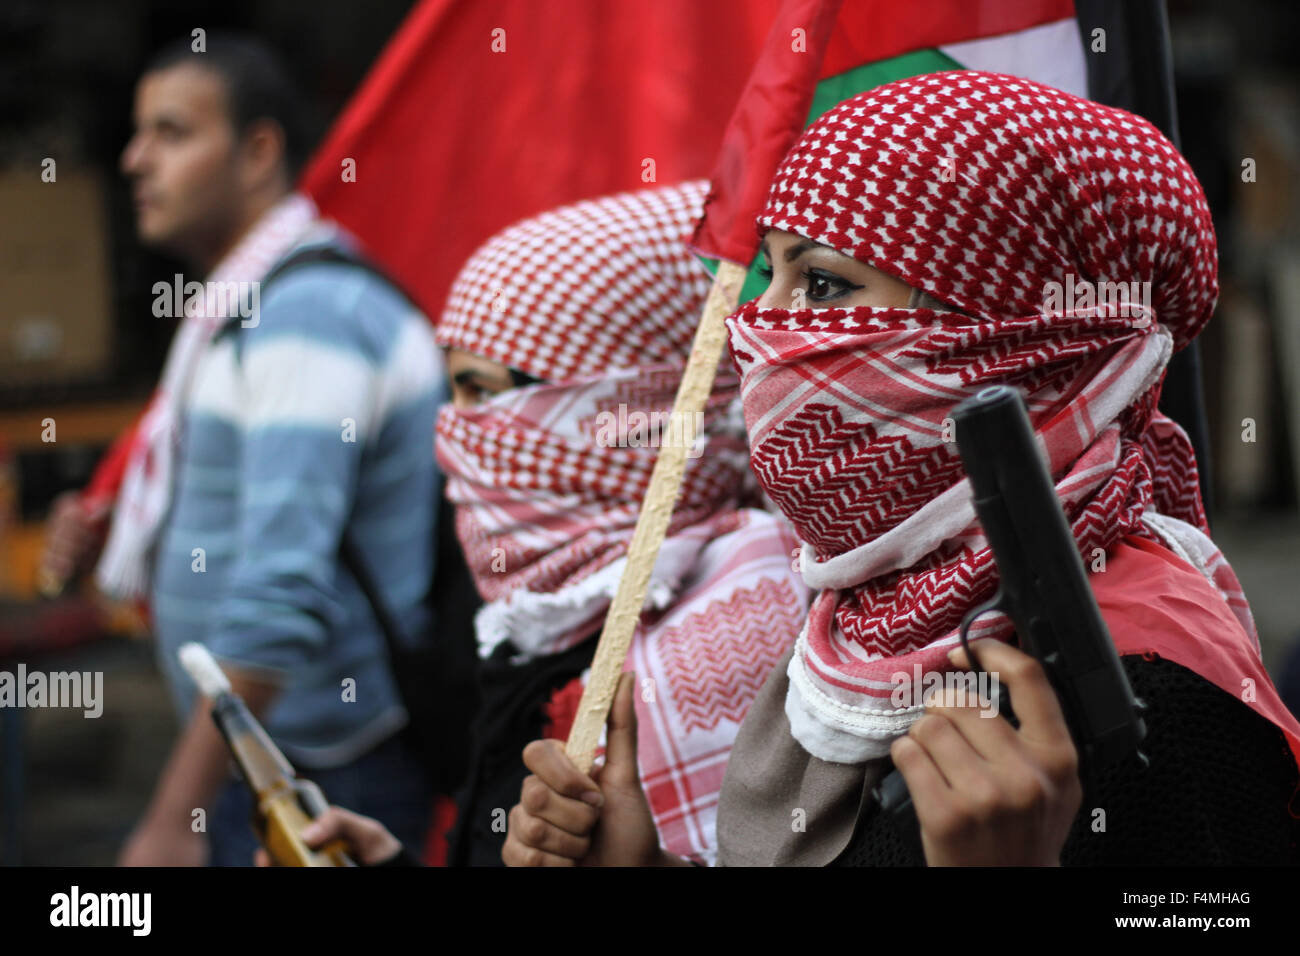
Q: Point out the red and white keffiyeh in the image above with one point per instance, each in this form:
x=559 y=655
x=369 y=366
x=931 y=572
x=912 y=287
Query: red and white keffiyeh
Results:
x=146 y=492
x=547 y=493
x=600 y=300
x=980 y=190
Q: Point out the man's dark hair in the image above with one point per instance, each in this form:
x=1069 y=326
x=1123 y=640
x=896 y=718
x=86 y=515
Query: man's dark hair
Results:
x=258 y=86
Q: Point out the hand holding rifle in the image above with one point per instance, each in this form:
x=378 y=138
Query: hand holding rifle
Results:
x=284 y=803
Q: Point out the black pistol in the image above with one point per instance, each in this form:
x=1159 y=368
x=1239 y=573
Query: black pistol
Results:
x=1043 y=589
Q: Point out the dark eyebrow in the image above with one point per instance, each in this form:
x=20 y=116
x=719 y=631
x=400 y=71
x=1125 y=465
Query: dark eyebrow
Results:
x=798 y=249
x=165 y=121
x=791 y=254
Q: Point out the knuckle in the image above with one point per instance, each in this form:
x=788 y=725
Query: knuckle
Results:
x=533 y=794
x=533 y=831
x=1027 y=670
x=928 y=728
x=902 y=753
x=1062 y=763
x=1026 y=794
x=981 y=798
x=1073 y=795
x=534 y=753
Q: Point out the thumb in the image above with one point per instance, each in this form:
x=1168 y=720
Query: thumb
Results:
x=620 y=736
x=96 y=509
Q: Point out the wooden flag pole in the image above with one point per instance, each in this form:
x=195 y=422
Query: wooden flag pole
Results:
x=656 y=512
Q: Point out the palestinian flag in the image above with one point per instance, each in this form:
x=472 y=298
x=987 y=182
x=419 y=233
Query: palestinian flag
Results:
x=822 y=52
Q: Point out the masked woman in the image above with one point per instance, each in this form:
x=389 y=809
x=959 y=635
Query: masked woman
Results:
x=935 y=236
x=567 y=335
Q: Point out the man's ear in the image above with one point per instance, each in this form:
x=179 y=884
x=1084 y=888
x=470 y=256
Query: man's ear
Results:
x=263 y=154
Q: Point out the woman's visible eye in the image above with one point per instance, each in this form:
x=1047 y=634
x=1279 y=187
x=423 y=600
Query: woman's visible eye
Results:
x=824 y=286
x=470 y=389
x=766 y=271
x=520 y=379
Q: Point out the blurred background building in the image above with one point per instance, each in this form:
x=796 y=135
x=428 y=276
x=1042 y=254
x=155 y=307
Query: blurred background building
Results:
x=79 y=343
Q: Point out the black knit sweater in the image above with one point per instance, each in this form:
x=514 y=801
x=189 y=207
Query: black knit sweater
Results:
x=1220 y=789
x=510 y=716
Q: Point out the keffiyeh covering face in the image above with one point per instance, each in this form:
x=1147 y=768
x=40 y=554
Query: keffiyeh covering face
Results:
x=546 y=500
x=981 y=190
x=600 y=300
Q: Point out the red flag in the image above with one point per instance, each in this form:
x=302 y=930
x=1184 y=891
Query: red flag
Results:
x=768 y=118
x=821 y=52
x=479 y=114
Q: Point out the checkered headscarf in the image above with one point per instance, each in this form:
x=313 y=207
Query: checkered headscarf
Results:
x=980 y=190
x=601 y=300
x=620 y=257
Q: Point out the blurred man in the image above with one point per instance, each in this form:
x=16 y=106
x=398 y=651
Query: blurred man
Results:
x=284 y=424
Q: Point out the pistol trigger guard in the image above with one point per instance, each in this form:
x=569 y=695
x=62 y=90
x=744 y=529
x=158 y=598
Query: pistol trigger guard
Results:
x=310 y=797
x=992 y=604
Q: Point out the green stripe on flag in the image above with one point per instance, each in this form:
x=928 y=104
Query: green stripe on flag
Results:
x=834 y=90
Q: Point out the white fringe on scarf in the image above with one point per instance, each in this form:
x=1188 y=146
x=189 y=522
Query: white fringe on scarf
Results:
x=536 y=623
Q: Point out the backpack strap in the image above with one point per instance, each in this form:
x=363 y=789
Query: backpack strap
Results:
x=356 y=565
x=328 y=254
x=348 y=550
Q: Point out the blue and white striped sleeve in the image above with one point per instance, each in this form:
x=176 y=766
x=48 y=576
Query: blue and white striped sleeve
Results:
x=315 y=379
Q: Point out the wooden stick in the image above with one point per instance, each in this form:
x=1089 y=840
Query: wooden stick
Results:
x=656 y=511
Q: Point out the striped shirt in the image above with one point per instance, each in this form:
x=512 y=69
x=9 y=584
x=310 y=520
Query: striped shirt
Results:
x=318 y=417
